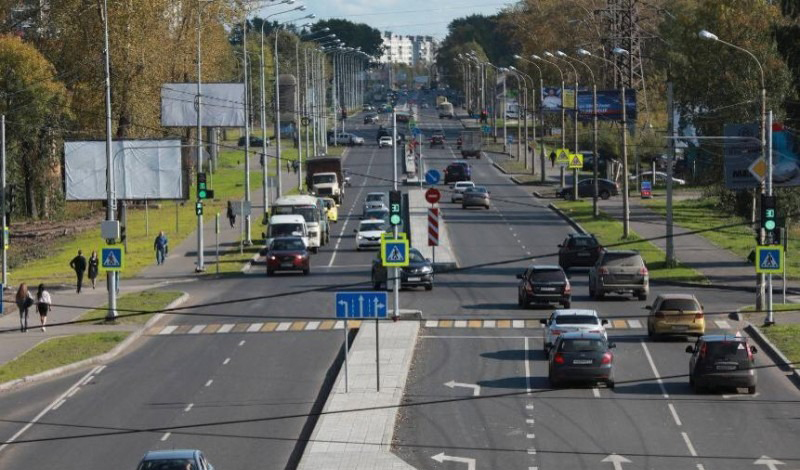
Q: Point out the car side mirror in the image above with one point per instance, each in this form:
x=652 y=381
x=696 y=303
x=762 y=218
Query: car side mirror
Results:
x=549 y=345
x=612 y=345
x=604 y=322
x=428 y=260
x=753 y=349
x=355 y=230
x=690 y=349
x=543 y=321
x=560 y=245
x=519 y=276
x=647 y=307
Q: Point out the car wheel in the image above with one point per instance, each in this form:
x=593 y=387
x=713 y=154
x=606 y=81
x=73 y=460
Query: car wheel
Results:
x=610 y=384
x=270 y=272
x=553 y=382
x=566 y=304
x=591 y=293
x=376 y=285
x=751 y=390
x=428 y=286
x=599 y=295
x=604 y=194
x=487 y=207
x=651 y=333
x=307 y=271
x=641 y=295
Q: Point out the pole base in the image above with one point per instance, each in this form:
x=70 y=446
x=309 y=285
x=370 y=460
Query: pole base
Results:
x=199 y=269
x=768 y=323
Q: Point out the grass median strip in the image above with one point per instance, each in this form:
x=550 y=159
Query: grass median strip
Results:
x=145 y=301
x=609 y=232
x=787 y=339
x=60 y=351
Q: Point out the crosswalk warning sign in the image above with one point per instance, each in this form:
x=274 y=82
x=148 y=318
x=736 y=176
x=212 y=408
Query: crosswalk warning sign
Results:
x=576 y=161
x=395 y=256
x=112 y=259
x=394 y=251
x=769 y=259
x=562 y=156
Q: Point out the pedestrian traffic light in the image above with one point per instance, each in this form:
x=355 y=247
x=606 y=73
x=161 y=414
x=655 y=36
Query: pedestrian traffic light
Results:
x=769 y=219
x=198 y=208
x=202 y=189
x=122 y=234
x=395 y=207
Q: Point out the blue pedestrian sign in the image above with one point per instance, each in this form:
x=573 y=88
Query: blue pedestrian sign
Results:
x=416 y=132
x=394 y=251
x=432 y=176
x=486 y=129
x=112 y=259
x=769 y=259
x=361 y=304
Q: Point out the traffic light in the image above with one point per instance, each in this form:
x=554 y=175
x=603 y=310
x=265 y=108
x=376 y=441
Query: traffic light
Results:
x=769 y=219
x=122 y=234
x=198 y=208
x=395 y=207
x=202 y=189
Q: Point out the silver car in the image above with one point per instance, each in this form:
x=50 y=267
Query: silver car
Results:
x=620 y=272
x=458 y=190
x=375 y=201
x=568 y=320
x=476 y=196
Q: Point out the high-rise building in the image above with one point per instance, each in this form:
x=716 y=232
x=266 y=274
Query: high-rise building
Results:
x=409 y=50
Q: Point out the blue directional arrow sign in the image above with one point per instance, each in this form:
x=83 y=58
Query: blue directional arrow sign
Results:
x=361 y=304
x=769 y=259
x=416 y=132
x=112 y=258
x=432 y=176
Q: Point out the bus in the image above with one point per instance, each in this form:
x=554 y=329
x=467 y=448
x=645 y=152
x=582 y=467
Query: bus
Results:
x=311 y=210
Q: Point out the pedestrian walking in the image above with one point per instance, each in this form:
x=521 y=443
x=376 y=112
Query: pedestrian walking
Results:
x=94 y=266
x=43 y=305
x=552 y=159
x=161 y=245
x=24 y=302
x=78 y=263
x=288 y=166
x=295 y=166
x=231 y=215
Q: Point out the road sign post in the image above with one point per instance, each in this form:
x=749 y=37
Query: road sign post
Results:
x=769 y=259
x=112 y=258
x=362 y=305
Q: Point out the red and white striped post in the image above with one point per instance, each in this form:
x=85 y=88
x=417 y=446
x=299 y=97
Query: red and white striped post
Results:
x=433 y=232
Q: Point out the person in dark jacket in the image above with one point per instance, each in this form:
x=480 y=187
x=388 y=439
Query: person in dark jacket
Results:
x=161 y=246
x=94 y=265
x=24 y=300
x=78 y=263
x=231 y=215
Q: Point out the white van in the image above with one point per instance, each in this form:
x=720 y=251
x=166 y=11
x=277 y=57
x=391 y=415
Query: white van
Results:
x=291 y=225
x=306 y=207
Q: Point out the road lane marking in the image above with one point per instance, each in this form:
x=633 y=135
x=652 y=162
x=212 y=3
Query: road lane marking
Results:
x=283 y=326
x=49 y=407
x=100 y=369
x=530 y=436
x=527 y=367
x=689 y=444
x=210 y=381
x=529 y=406
x=165 y=436
x=58 y=405
x=73 y=392
x=312 y=325
x=226 y=328
x=196 y=329
x=87 y=380
x=531 y=451
x=634 y=324
x=188 y=407
x=241 y=343
x=674 y=414
x=655 y=371
x=431 y=324
x=168 y=329
x=530 y=421
x=226 y=361
x=596 y=392
x=254 y=327
x=723 y=324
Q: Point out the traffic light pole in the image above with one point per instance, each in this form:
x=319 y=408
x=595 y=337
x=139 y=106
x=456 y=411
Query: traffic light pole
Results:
x=200 y=261
x=3 y=201
x=395 y=230
x=770 y=319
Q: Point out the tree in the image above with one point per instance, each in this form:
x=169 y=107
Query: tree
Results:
x=34 y=102
x=358 y=35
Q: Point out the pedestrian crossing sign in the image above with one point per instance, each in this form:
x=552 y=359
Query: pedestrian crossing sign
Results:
x=562 y=156
x=769 y=259
x=112 y=259
x=394 y=251
x=576 y=161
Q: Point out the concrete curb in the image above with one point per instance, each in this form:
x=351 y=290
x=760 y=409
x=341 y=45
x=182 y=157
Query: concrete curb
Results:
x=771 y=349
x=567 y=218
x=105 y=357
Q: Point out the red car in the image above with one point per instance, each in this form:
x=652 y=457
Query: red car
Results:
x=287 y=254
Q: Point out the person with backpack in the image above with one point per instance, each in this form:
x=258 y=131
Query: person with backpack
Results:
x=43 y=305
x=24 y=301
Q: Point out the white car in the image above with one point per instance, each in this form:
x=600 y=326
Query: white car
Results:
x=368 y=233
x=385 y=141
x=458 y=190
x=567 y=320
x=660 y=175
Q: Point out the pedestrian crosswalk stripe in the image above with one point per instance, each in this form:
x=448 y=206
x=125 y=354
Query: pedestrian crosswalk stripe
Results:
x=475 y=323
x=504 y=323
x=339 y=325
x=297 y=326
x=431 y=324
x=283 y=326
x=239 y=328
x=722 y=324
x=518 y=323
x=254 y=327
x=168 y=329
x=196 y=329
x=312 y=325
x=634 y=324
x=327 y=325
x=269 y=326
x=211 y=328
x=618 y=323
x=489 y=324
x=226 y=328
x=460 y=324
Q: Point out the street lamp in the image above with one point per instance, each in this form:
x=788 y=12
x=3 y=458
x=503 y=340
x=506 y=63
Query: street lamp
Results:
x=595 y=210
x=575 y=108
x=533 y=114
x=707 y=35
x=520 y=86
x=541 y=112
x=563 y=113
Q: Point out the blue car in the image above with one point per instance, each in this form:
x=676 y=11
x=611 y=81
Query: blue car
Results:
x=176 y=459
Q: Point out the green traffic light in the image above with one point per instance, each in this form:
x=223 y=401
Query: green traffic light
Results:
x=769 y=225
x=201 y=194
x=395 y=219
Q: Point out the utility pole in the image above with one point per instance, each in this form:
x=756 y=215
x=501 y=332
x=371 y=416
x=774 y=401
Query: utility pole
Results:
x=279 y=185
x=247 y=220
x=3 y=201
x=111 y=280
x=672 y=129
x=200 y=262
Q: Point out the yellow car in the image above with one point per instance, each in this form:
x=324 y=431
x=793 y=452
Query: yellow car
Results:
x=676 y=314
x=332 y=209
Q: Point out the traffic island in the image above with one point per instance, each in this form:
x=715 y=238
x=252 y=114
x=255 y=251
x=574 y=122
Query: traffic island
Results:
x=445 y=259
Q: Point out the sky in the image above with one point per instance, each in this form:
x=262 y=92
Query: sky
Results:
x=407 y=17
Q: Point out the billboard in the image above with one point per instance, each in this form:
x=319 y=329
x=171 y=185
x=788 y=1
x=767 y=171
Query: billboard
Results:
x=609 y=104
x=223 y=105
x=551 y=98
x=143 y=169
x=742 y=148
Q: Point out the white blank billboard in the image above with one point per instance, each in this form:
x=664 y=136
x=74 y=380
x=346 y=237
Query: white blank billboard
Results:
x=222 y=103
x=143 y=169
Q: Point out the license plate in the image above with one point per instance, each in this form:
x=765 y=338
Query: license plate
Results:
x=414 y=279
x=547 y=289
x=582 y=361
x=726 y=367
x=287 y=265
x=583 y=254
x=679 y=327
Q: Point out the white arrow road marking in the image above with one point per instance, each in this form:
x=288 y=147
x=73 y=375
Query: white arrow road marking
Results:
x=441 y=458
x=476 y=389
x=616 y=460
x=769 y=462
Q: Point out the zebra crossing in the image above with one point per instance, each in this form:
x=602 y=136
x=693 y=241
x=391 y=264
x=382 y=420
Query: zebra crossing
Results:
x=328 y=325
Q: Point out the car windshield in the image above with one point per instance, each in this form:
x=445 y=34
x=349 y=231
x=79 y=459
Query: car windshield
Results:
x=577 y=320
x=688 y=305
x=168 y=464
x=374 y=197
x=310 y=213
x=726 y=349
x=582 y=242
x=371 y=226
x=416 y=256
x=622 y=259
x=283 y=230
x=582 y=345
x=287 y=245
x=328 y=203
x=377 y=214
x=324 y=179
x=477 y=189
x=548 y=275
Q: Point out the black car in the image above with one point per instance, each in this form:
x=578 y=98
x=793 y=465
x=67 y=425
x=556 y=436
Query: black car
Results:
x=722 y=361
x=579 y=249
x=544 y=284
x=455 y=173
x=605 y=189
x=419 y=272
x=588 y=163
x=581 y=357
x=437 y=138
x=255 y=141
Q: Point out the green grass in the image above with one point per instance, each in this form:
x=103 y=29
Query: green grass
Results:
x=58 y=352
x=145 y=301
x=609 y=232
x=787 y=339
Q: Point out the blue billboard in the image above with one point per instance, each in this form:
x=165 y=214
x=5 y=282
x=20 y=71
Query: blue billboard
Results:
x=609 y=105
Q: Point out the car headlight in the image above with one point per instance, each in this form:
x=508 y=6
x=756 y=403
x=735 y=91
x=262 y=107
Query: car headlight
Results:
x=360 y=237
x=426 y=269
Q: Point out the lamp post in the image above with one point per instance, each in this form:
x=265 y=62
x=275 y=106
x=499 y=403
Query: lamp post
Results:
x=533 y=114
x=596 y=157
x=575 y=114
x=703 y=34
x=541 y=116
x=520 y=87
x=111 y=280
x=563 y=115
